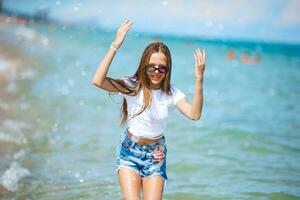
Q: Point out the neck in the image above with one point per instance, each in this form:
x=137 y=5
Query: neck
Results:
x=155 y=87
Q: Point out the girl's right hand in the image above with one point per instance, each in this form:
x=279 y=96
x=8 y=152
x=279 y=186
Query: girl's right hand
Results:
x=158 y=154
x=121 y=33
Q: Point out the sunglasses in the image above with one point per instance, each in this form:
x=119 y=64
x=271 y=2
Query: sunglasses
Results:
x=160 y=69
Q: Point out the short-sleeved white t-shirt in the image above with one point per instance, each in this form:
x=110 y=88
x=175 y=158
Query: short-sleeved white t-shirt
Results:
x=151 y=122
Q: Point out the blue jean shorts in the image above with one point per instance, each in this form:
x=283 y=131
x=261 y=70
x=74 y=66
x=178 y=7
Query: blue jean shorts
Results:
x=139 y=157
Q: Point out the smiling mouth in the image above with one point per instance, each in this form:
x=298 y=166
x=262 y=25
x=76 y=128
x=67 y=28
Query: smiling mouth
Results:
x=155 y=77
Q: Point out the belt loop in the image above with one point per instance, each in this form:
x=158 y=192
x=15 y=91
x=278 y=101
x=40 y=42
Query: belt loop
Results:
x=143 y=154
x=132 y=144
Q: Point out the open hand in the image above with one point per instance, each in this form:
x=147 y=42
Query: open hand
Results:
x=121 y=33
x=199 y=63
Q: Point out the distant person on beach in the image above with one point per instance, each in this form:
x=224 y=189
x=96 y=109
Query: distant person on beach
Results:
x=244 y=58
x=230 y=55
x=247 y=59
x=148 y=96
x=256 y=59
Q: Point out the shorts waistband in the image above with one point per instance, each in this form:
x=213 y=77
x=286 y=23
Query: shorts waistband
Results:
x=142 y=141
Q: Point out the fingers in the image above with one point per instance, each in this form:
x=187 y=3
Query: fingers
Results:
x=200 y=57
x=126 y=21
x=158 y=158
x=126 y=26
x=197 y=57
x=121 y=32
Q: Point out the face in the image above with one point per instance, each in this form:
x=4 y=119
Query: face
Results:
x=157 y=60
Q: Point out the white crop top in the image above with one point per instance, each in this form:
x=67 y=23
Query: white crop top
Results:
x=151 y=123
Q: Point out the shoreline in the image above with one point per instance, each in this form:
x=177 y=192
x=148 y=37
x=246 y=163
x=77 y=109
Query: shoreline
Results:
x=232 y=42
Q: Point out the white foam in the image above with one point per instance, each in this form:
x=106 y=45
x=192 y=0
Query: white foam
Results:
x=7 y=65
x=11 y=176
x=30 y=35
x=28 y=74
x=44 y=40
x=25 y=33
x=19 y=154
x=3 y=63
x=17 y=140
x=15 y=126
x=8 y=69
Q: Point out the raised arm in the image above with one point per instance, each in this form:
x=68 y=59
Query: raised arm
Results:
x=193 y=111
x=100 y=78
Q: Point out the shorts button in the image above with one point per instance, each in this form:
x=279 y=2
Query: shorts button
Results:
x=144 y=146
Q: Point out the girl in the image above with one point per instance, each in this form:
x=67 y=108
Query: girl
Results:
x=147 y=97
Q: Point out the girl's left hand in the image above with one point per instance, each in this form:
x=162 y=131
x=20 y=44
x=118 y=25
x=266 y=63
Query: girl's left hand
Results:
x=199 y=63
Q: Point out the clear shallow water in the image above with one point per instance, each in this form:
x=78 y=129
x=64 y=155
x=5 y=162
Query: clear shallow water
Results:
x=246 y=146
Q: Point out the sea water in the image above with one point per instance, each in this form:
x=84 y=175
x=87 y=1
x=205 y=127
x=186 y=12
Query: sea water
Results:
x=245 y=146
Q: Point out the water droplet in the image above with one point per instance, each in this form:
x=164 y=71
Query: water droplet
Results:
x=71 y=82
x=54 y=128
x=83 y=73
x=77 y=174
x=165 y=3
x=209 y=23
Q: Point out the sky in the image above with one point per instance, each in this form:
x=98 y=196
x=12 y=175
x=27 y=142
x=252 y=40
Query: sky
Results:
x=258 y=20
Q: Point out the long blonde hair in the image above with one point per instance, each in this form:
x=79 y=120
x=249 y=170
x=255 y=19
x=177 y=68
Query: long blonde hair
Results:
x=140 y=79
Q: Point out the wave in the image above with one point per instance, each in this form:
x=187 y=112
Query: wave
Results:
x=11 y=176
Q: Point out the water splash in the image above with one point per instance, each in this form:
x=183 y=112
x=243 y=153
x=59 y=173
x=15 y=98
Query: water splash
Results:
x=10 y=178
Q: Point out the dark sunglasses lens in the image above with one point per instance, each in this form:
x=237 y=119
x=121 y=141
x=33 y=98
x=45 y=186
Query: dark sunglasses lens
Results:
x=162 y=69
x=150 y=69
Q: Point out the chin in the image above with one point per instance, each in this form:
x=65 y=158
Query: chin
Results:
x=156 y=83
x=159 y=81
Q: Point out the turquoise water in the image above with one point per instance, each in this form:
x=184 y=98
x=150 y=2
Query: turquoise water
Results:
x=246 y=145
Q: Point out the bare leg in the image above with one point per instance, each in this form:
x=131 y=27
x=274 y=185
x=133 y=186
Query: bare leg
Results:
x=153 y=187
x=130 y=182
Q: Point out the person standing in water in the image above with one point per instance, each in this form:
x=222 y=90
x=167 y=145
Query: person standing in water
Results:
x=148 y=95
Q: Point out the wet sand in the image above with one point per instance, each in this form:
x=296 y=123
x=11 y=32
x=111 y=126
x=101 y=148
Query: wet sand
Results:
x=10 y=68
x=12 y=62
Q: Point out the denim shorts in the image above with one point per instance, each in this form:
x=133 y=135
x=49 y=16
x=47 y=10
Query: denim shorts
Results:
x=139 y=157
